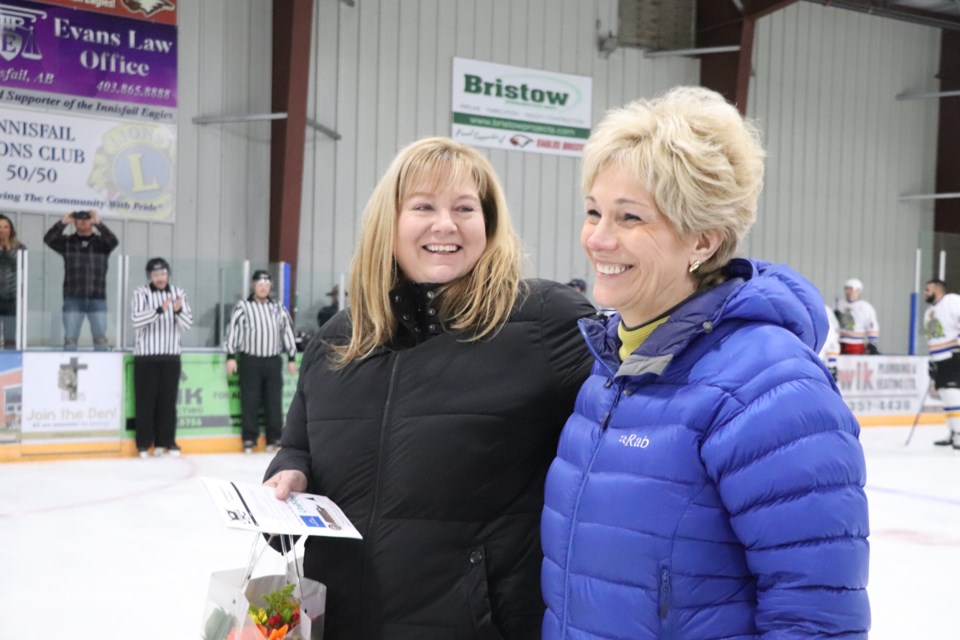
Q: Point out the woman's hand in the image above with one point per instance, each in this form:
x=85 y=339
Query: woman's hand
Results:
x=286 y=481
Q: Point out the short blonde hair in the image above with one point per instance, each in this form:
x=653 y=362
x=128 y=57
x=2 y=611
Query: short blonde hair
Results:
x=477 y=304
x=698 y=157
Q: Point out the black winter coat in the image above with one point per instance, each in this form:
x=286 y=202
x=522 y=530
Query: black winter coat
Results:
x=437 y=450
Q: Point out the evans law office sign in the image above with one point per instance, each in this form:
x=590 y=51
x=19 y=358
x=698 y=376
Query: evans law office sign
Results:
x=496 y=105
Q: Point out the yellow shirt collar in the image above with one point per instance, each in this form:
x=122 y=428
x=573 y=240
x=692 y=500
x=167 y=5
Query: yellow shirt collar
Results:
x=631 y=339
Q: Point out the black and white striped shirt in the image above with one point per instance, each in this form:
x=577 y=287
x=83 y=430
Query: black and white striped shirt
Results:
x=262 y=329
x=158 y=331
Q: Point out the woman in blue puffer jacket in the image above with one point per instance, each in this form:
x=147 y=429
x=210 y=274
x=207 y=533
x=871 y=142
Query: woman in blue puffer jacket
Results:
x=710 y=481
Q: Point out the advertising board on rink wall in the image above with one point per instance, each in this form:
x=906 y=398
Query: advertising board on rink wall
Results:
x=72 y=396
x=883 y=385
x=208 y=400
x=88 y=107
x=11 y=394
x=506 y=107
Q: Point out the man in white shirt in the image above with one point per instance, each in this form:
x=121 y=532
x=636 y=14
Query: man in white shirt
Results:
x=831 y=347
x=859 y=329
x=941 y=327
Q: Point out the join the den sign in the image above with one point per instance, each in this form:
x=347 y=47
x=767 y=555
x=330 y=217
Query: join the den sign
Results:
x=505 y=107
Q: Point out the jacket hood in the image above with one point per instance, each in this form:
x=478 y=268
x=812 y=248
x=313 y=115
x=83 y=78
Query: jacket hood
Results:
x=755 y=291
x=776 y=294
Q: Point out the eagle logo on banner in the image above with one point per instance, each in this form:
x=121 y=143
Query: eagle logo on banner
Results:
x=148 y=7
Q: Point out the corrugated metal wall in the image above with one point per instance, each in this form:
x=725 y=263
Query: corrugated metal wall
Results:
x=223 y=201
x=381 y=78
x=842 y=149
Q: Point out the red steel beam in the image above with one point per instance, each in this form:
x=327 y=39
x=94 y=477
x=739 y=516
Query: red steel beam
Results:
x=946 y=216
x=722 y=24
x=292 y=20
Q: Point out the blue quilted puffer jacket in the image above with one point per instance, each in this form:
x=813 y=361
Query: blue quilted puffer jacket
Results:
x=711 y=485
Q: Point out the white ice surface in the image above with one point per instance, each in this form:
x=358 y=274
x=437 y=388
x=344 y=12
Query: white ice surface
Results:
x=123 y=548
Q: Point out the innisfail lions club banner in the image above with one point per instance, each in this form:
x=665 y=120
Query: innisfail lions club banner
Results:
x=505 y=107
x=58 y=163
x=71 y=396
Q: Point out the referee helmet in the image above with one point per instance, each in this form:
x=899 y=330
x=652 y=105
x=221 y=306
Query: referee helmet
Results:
x=157 y=264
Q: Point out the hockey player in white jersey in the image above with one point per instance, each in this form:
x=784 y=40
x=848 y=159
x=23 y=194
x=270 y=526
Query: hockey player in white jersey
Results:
x=831 y=347
x=941 y=326
x=859 y=329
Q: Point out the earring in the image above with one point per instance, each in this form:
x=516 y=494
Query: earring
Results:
x=694 y=266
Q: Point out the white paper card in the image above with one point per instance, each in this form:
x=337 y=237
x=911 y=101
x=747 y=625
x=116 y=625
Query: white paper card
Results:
x=254 y=507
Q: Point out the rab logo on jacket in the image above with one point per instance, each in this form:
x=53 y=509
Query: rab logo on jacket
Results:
x=633 y=440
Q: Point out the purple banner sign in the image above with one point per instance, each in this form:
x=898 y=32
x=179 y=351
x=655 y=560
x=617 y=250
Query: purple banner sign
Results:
x=79 y=53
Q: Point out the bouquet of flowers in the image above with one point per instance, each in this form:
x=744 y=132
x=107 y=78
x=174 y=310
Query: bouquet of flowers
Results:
x=281 y=606
x=281 y=615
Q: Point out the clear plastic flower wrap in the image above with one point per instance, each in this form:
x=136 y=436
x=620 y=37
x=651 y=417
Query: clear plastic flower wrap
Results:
x=273 y=606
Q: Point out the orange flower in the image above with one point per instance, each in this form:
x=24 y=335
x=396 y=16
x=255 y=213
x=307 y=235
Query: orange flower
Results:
x=278 y=634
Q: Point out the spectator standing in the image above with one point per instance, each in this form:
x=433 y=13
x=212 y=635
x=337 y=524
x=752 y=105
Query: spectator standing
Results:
x=327 y=312
x=9 y=246
x=859 y=329
x=85 y=255
x=579 y=284
x=160 y=314
x=941 y=327
x=260 y=330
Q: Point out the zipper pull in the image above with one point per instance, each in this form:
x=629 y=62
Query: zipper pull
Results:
x=664 y=593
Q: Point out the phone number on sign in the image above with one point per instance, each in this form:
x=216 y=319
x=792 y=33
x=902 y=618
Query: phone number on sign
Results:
x=124 y=89
x=868 y=406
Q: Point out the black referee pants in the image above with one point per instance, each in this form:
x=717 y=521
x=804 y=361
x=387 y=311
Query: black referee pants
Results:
x=261 y=383
x=155 y=383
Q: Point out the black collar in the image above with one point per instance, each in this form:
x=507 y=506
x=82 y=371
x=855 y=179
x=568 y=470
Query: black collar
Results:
x=154 y=288
x=417 y=308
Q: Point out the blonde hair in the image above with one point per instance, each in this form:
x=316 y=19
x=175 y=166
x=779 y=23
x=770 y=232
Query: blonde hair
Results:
x=698 y=157
x=479 y=303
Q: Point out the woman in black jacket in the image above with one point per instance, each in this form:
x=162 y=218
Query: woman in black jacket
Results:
x=430 y=412
x=9 y=246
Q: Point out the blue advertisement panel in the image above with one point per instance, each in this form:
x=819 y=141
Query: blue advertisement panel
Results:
x=11 y=394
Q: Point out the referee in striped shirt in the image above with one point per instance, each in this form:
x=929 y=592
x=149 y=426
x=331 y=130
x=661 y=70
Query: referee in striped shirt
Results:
x=260 y=330
x=160 y=313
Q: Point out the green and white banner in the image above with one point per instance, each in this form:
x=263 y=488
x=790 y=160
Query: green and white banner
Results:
x=208 y=402
x=505 y=107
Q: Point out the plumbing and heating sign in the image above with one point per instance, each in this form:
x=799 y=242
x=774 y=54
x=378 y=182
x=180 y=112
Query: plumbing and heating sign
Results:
x=504 y=107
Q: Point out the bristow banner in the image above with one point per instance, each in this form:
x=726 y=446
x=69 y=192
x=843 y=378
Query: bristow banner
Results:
x=49 y=49
x=58 y=163
x=505 y=107
x=163 y=11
